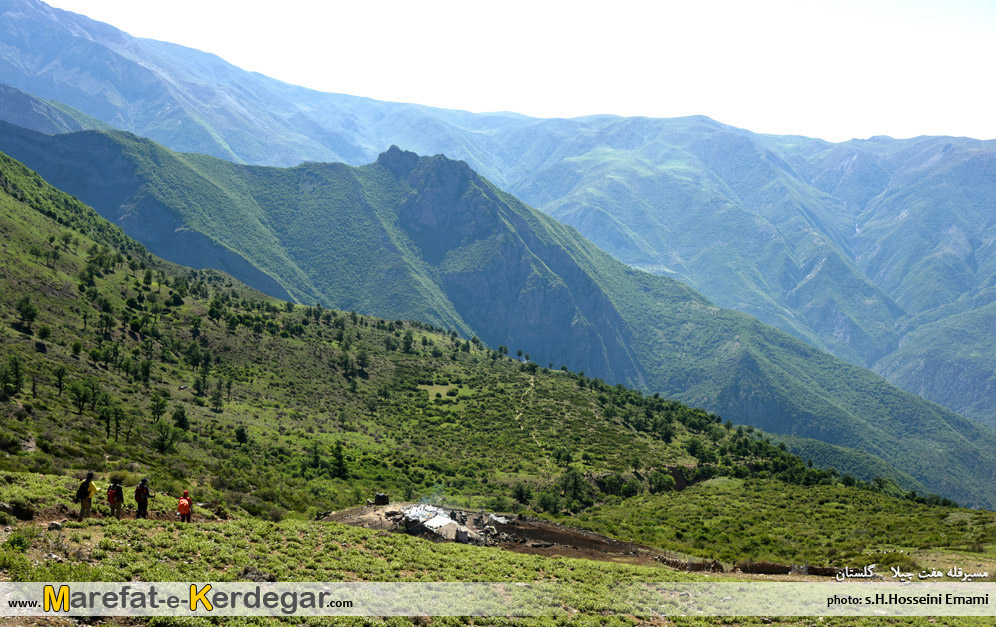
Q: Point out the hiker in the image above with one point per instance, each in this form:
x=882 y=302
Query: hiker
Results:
x=184 y=506
x=142 y=496
x=115 y=498
x=84 y=495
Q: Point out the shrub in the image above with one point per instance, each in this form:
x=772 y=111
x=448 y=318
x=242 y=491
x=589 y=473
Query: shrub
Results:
x=9 y=443
x=18 y=541
x=549 y=501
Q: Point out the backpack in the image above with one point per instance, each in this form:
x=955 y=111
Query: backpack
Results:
x=183 y=506
x=112 y=495
x=141 y=494
x=82 y=492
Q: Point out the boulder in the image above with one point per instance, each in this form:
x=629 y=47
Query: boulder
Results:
x=257 y=575
x=22 y=511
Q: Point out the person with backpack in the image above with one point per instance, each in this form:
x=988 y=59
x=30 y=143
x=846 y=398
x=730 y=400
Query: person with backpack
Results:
x=115 y=498
x=84 y=496
x=142 y=496
x=184 y=506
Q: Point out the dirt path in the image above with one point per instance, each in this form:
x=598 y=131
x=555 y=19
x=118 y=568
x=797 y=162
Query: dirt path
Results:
x=518 y=417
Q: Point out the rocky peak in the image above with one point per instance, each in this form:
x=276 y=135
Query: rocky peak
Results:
x=438 y=170
x=399 y=162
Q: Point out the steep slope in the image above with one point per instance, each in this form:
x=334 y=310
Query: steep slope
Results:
x=923 y=231
x=805 y=235
x=300 y=378
x=713 y=206
x=23 y=109
x=130 y=366
x=429 y=239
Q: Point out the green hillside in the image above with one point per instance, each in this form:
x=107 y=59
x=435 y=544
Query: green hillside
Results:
x=426 y=238
x=118 y=362
x=854 y=247
x=849 y=246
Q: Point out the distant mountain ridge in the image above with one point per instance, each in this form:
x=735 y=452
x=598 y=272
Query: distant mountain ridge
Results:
x=23 y=109
x=428 y=238
x=806 y=235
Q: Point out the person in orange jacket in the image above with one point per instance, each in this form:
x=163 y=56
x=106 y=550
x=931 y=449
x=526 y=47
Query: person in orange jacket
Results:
x=184 y=506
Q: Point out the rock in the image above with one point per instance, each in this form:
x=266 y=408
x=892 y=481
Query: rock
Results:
x=22 y=511
x=381 y=499
x=6 y=508
x=255 y=574
x=54 y=526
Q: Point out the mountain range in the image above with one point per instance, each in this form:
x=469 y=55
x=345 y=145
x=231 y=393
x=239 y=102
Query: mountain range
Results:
x=427 y=238
x=877 y=250
x=115 y=361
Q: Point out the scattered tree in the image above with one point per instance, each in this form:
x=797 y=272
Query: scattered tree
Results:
x=216 y=399
x=339 y=466
x=241 y=435
x=522 y=493
x=157 y=406
x=27 y=311
x=165 y=437
x=180 y=418
x=60 y=372
x=79 y=395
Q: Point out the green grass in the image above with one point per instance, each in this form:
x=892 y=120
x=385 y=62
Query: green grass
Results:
x=736 y=520
x=303 y=551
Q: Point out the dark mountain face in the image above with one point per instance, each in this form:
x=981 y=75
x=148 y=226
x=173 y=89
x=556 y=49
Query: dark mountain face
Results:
x=508 y=284
x=427 y=238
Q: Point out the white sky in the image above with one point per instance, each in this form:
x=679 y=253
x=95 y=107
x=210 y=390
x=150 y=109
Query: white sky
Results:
x=831 y=69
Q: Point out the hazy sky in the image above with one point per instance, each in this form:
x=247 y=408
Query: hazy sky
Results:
x=830 y=69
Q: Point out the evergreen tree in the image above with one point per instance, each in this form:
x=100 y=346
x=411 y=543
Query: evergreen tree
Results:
x=180 y=418
x=339 y=466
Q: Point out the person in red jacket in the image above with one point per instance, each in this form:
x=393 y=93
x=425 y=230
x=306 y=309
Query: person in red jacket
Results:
x=184 y=506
